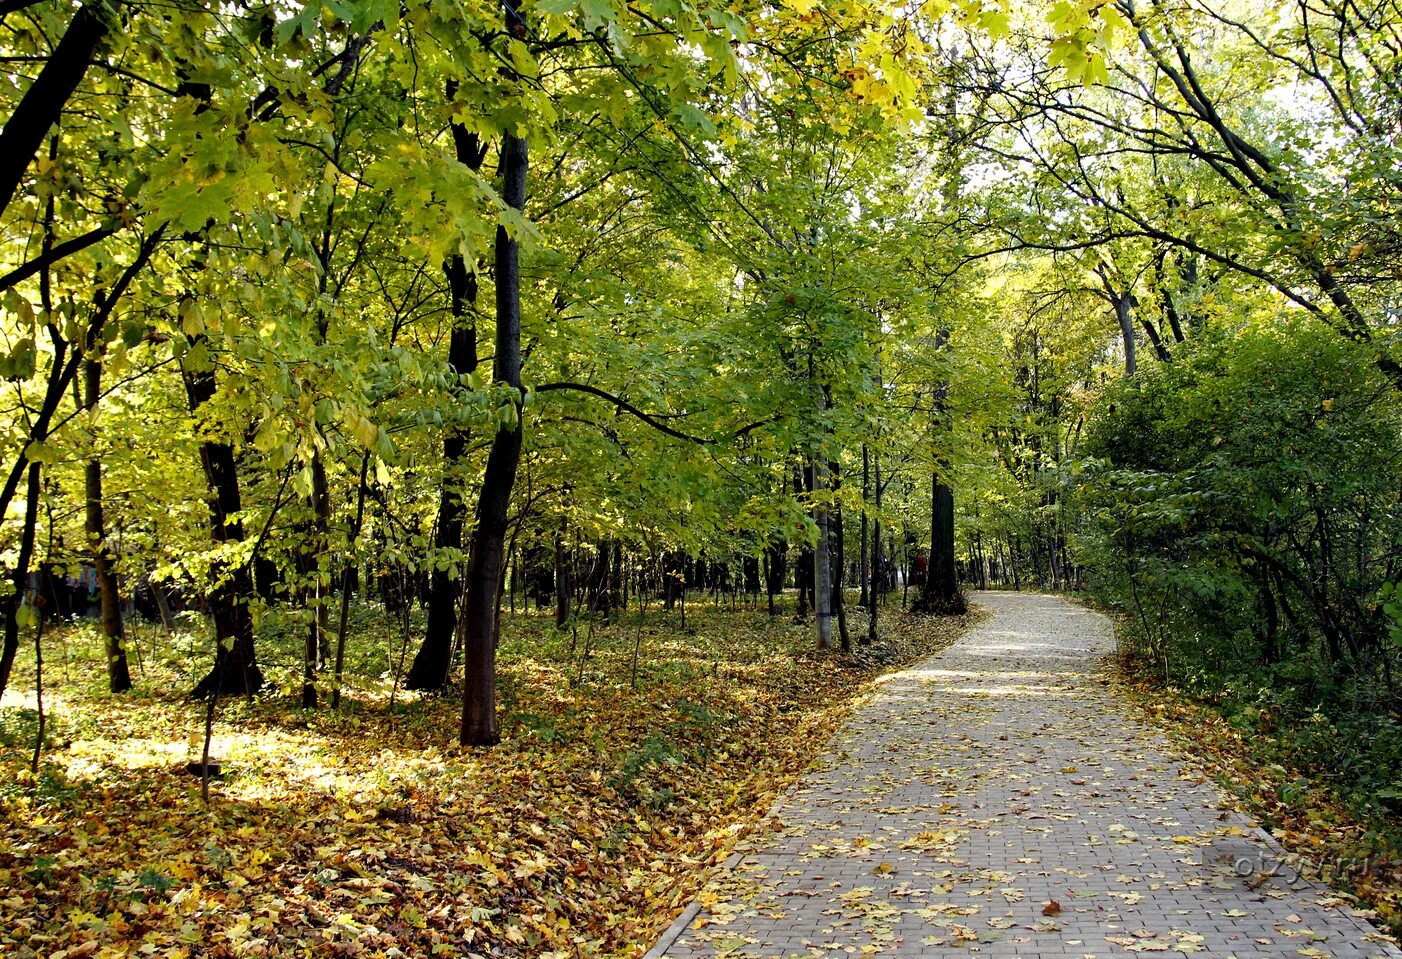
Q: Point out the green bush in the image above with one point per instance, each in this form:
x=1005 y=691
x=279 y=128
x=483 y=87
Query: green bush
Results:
x=1241 y=506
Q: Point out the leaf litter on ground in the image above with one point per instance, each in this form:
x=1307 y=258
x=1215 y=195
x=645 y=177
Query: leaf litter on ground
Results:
x=366 y=833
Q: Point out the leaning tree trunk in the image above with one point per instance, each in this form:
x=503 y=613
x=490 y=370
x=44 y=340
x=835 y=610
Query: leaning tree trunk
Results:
x=63 y=369
x=479 y=716
x=42 y=104
x=10 y=605
x=118 y=675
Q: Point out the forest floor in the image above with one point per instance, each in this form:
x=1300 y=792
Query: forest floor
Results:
x=1001 y=798
x=368 y=832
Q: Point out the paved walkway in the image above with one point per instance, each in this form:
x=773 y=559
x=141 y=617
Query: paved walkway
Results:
x=995 y=800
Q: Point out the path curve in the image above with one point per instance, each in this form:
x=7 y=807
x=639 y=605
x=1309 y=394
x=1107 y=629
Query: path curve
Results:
x=996 y=800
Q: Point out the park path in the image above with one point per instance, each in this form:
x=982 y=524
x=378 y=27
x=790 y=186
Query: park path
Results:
x=996 y=800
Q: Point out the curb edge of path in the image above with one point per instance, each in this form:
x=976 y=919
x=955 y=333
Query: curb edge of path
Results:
x=674 y=931
x=689 y=914
x=693 y=909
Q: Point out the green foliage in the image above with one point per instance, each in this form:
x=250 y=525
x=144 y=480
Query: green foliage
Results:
x=1241 y=503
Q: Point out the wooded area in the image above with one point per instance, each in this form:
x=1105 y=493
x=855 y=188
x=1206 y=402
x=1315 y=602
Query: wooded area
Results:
x=582 y=368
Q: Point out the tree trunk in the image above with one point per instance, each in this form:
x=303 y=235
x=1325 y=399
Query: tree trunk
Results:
x=863 y=599
x=20 y=577
x=235 y=670
x=941 y=591
x=348 y=580
x=315 y=650
x=433 y=659
x=822 y=574
x=562 y=580
x=118 y=675
x=479 y=719
x=839 y=574
x=775 y=558
x=878 y=582
x=941 y=583
x=1124 y=312
x=43 y=103
x=803 y=561
x=158 y=593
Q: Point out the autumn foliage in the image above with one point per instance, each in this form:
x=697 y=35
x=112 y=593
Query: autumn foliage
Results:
x=360 y=833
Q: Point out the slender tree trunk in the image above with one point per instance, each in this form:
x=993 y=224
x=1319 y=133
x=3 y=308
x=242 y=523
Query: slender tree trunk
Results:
x=1155 y=340
x=863 y=600
x=118 y=675
x=878 y=582
x=822 y=574
x=158 y=593
x=312 y=553
x=19 y=581
x=840 y=569
x=562 y=580
x=348 y=579
x=775 y=557
x=321 y=505
x=479 y=719
x=434 y=657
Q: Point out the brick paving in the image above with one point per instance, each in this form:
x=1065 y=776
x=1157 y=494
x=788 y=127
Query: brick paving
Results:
x=995 y=800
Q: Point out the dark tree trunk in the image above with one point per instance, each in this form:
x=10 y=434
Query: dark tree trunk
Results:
x=235 y=670
x=940 y=594
x=433 y=660
x=348 y=582
x=19 y=581
x=479 y=718
x=601 y=582
x=774 y=572
x=118 y=675
x=863 y=600
x=818 y=481
x=617 y=597
x=803 y=562
x=942 y=581
x=1270 y=630
x=878 y=581
x=43 y=103
x=317 y=646
x=1155 y=340
x=838 y=577
x=562 y=580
